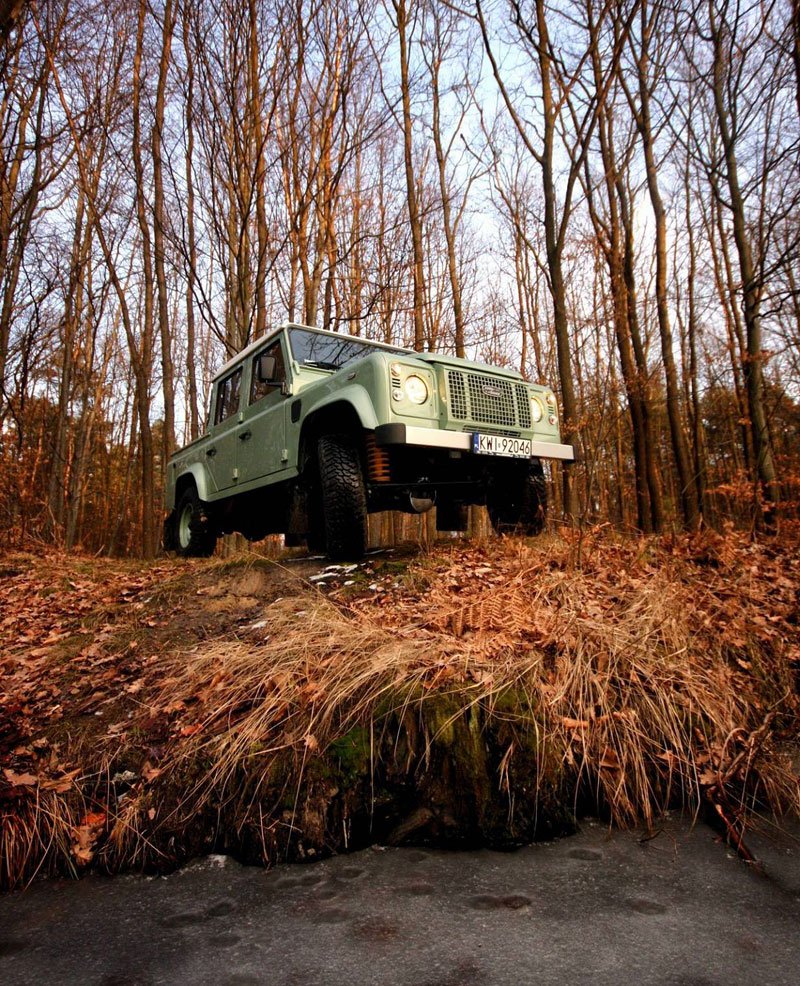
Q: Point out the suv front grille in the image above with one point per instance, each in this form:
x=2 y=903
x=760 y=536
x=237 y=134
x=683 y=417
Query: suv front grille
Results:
x=458 y=395
x=488 y=400
x=523 y=405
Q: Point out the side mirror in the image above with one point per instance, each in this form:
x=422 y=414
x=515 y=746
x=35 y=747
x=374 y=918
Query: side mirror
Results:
x=266 y=368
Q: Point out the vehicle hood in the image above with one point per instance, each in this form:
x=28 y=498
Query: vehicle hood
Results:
x=453 y=362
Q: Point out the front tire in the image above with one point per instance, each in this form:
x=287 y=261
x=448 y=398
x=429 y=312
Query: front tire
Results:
x=344 y=497
x=193 y=534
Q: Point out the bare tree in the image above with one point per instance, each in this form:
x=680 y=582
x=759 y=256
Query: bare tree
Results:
x=726 y=54
x=648 y=71
x=404 y=22
x=795 y=43
x=532 y=35
x=442 y=35
x=159 y=228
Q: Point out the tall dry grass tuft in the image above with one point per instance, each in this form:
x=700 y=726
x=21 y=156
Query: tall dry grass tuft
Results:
x=649 y=676
x=36 y=832
x=310 y=674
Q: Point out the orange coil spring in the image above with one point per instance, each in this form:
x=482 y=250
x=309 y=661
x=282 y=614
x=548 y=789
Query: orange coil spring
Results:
x=378 y=469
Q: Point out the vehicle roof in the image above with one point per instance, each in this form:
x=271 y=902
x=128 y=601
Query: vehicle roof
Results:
x=263 y=340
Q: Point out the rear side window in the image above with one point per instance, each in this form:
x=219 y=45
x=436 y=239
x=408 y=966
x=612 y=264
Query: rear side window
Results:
x=228 y=396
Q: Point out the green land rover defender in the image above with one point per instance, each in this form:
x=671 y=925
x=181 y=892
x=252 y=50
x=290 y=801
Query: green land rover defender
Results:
x=310 y=431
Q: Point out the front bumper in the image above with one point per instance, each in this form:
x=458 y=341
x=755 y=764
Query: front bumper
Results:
x=402 y=434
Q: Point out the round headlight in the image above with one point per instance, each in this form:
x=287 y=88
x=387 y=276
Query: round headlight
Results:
x=416 y=389
x=537 y=411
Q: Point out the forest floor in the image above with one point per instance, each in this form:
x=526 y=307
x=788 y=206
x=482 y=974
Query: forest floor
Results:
x=474 y=693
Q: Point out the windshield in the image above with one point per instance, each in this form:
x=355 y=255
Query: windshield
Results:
x=331 y=352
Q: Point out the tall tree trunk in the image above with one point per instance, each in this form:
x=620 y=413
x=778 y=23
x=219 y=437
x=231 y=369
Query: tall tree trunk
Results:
x=191 y=245
x=449 y=232
x=555 y=228
x=616 y=239
x=14 y=236
x=356 y=287
x=256 y=123
x=698 y=447
x=751 y=289
x=554 y=247
x=159 y=223
x=144 y=377
x=640 y=356
x=796 y=49
x=73 y=312
x=401 y=12
x=642 y=116
x=726 y=290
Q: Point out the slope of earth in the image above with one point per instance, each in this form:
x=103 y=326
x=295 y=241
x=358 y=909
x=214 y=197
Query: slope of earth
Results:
x=474 y=694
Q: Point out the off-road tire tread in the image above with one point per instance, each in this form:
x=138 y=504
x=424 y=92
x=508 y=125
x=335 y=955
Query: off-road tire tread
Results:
x=203 y=534
x=344 y=497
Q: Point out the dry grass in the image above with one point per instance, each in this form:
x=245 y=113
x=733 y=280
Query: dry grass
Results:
x=35 y=838
x=655 y=675
x=491 y=684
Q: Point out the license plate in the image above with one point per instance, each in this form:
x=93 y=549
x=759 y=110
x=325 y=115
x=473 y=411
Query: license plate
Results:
x=518 y=448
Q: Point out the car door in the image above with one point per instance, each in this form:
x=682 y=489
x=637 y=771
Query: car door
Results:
x=262 y=431
x=221 y=446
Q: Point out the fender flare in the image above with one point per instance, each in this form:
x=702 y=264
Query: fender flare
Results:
x=195 y=472
x=354 y=397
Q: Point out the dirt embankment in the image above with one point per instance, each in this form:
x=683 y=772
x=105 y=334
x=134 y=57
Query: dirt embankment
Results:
x=475 y=694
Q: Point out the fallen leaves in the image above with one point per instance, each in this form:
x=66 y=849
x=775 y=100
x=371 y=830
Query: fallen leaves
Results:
x=72 y=630
x=20 y=780
x=86 y=835
x=150 y=773
x=61 y=784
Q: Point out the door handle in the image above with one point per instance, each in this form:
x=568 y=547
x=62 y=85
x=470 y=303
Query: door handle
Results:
x=211 y=452
x=245 y=435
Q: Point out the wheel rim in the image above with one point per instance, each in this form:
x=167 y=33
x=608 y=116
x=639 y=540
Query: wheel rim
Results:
x=184 y=526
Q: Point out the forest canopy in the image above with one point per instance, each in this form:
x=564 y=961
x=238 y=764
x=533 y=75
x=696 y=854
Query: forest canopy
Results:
x=602 y=194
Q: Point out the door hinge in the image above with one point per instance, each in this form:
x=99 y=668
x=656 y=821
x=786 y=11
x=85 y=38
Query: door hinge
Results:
x=284 y=455
x=235 y=473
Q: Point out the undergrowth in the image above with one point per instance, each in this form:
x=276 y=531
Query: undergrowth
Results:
x=486 y=696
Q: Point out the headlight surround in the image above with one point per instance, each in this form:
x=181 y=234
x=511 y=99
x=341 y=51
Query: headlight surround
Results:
x=415 y=389
x=537 y=411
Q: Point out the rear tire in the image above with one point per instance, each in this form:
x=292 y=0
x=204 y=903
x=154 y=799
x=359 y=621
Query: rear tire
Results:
x=521 y=508
x=344 y=497
x=193 y=533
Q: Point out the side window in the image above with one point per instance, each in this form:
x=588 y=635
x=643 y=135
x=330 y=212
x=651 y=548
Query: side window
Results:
x=228 y=396
x=260 y=388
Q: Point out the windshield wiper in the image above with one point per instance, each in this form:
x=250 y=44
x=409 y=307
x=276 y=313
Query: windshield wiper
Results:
x=321 y=364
